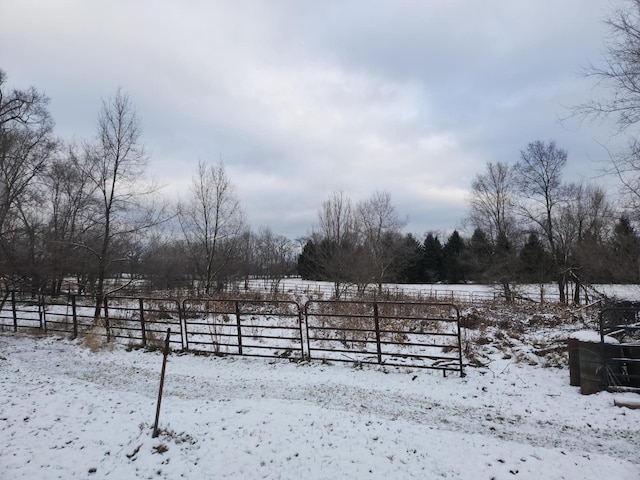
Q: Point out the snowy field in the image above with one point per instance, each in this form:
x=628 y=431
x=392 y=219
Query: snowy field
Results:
x=472 y=292
x=68 y=412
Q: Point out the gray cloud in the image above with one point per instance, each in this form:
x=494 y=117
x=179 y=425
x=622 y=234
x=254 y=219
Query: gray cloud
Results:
x=303 y=98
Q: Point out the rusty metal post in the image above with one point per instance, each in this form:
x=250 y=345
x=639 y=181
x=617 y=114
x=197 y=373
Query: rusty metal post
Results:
x=106 y=318
x=74 y=313
x=165 y=352
x=239 y=325
x=13 y=308
x=143 y=330
x=377 y=325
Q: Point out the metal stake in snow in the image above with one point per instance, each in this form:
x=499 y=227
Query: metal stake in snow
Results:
x=165 y=352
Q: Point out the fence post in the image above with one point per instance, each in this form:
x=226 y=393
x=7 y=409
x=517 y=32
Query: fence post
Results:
x=41 y=317
x=75 y=316
x=300 y=318
x=306 y=325
x=106 y=318
x=142 y=327
x=377 y=324
x=239 y=327
x=165 y=352
x=184 y=335
x=13 y=309
x=459 y=334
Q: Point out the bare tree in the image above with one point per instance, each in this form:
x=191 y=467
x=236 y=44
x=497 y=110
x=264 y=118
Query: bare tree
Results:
x=26 y=147
x=165 y=262
x=620 y=74
x=583 y=230
x=212 y=222
x=380 y=230
x=335 y=241
x=620 y=71
x=539 y=179
x=70 y=204
x=114 y=167
x=492 y=201
x=492 y=211
x=22 y=107
x=273 y=254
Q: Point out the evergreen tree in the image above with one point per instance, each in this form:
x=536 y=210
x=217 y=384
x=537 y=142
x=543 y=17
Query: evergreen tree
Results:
x=308 y=262
x=503 y=265
x=453 y=266
x=534 y=262
x=478 y=256
x=432 y=259
x=411 y=263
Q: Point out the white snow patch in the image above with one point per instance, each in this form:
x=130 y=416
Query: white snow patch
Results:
x=66 y=412
x=590 y=336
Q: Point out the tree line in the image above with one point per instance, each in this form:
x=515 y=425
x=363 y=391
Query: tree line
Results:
x=510 y=243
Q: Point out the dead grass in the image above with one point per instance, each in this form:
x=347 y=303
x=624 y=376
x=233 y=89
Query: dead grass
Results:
x=95 y=339
x=529 y=333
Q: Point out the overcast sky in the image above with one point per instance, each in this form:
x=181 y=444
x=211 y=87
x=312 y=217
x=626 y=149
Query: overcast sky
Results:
x=303 y=98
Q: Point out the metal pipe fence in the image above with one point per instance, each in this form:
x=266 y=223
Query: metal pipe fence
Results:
x=412 y=334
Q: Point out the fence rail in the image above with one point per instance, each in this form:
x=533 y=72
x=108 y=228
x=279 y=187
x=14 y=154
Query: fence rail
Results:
x=416 y=334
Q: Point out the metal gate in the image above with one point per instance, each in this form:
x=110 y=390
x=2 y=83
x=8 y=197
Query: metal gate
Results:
x=416 y=334
x=256 y=328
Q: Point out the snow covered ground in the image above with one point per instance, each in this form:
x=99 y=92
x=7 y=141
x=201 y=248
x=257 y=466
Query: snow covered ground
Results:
x=68 y=412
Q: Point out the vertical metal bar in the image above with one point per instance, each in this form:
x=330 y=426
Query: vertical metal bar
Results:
x=13 y=308
x=75 y=316
x=376 y=320
x=181 y=323
x=165 y=352
x=299 y=310
x=142 y=327
x=306 y=323
x=239 y=327
x=106 y=319
x=459 y=332
x=183 y=320
x=41 y=311
x=603 y=352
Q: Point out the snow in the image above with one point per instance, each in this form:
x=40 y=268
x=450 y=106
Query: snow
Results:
x=69 y=412
x=590 y=336
x=627 y=400
x=446 y=292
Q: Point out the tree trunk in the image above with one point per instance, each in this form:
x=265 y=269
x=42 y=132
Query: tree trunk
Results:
x=576 y=292
x=561 y=289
